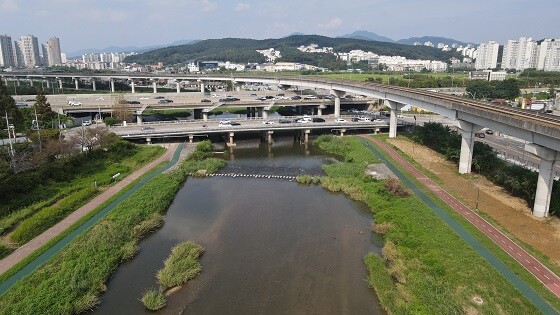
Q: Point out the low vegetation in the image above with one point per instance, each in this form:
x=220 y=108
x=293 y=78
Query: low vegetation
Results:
x=154 y=299
x=72 y=280
x=425 y=267
x=181 y=266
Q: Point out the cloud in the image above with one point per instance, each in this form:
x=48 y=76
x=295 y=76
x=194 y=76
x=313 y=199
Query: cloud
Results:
x=241 y=6
x=207 y=5
x=8 y=6
x=332 y=24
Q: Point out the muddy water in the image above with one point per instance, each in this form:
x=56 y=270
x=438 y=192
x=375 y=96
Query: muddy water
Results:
x=272 y=246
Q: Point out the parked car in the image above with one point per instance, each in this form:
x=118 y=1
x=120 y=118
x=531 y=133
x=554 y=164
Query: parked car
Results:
x=86 y=122
x=205 y=100
x=340 y=120
x=489 y=131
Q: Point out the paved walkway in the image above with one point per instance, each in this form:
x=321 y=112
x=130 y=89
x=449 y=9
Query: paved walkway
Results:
x=541 y=272
x=25 y=250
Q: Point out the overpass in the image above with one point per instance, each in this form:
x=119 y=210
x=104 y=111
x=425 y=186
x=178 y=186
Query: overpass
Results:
x=541 y=131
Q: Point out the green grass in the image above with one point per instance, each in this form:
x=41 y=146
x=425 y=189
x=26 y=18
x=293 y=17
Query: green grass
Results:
x=154 y=299
x=426 y=268
x=181 y=266
x=386 y=77
x=72 y=280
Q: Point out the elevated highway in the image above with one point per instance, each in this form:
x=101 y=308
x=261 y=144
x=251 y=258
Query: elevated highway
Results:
x=541 y=131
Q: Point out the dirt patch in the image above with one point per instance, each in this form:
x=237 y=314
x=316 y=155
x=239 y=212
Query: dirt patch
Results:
x=379 y=171
x=511 y=213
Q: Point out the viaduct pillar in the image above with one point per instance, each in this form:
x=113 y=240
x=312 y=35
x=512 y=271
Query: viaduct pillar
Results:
x=337 y=95
x=154 y=86
x=76 y=83
x=546 y=178
x=93 y=85
x=132 y=86
x=467 y=146
x=394 y=106
x=113 y=86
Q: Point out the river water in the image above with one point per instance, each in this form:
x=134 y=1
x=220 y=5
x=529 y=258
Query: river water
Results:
x=272 y=246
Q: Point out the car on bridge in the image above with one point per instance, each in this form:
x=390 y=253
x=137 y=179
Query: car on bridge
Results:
x=133 y=102
x=317 y=120
x=268 y=122
x=149 y=129
x=74 y=103
x=340 y=120
x=205 y=100
x=159 y=97
x=165 y=101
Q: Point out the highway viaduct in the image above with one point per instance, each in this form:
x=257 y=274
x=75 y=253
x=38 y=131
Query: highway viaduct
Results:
x=541 y=131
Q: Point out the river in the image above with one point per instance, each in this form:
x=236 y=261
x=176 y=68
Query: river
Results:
x=272 y=246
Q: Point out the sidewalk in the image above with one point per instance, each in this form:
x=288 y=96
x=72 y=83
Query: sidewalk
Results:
x=25 y=250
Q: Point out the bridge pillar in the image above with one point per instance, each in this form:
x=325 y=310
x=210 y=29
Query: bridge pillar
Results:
x=467 y=145
x=231 y=143
x=48 y=84
x=269 y=136
x=18 y=83
x=202 y=88
x=149 y=140
x=342 y=131
x=93 y=85
x=265 y=114
x=191 y=137
x=76 y=84
x=6 y=81
x=306 y=135
x=60 y=84
x=132 y=86
x=154 y=86
x=139 y=121
x=112 y=86
x=546 y=178
x=337 y=95
x=393 y=118
x=178 y=87
x=30 y=82
x=204 y=116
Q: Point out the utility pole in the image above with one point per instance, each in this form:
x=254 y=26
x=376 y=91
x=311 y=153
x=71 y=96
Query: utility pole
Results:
x=38 y=128
x=9 y=136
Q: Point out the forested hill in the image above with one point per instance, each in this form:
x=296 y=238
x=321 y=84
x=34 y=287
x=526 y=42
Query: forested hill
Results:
x=242 y=50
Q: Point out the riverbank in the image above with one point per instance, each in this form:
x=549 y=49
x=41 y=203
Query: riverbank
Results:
x=72 y=281
x=425 y=266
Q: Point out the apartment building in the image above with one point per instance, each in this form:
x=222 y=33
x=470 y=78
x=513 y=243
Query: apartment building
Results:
x=6 y=52
x=487 y=56
x=51 y=52
x=27 y=52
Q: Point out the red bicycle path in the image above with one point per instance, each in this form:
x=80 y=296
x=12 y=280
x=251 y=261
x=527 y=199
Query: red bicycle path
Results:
x=528 y=261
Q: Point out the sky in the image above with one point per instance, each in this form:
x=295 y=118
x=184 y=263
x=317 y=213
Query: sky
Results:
x=103 y=23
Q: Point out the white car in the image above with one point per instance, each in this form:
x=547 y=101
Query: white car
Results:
x=340 y=120
x=268 y=122
x=86 y=123
x=74 y=103
x=225 y=123
x=363 y=118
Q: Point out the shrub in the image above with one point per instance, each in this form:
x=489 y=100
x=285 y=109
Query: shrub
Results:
x=110 y=121
x=393 y=186
x=148 y=226
x=181 y=265
x=154 y=299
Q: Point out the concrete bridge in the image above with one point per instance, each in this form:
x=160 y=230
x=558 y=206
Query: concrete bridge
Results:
x=541 y=131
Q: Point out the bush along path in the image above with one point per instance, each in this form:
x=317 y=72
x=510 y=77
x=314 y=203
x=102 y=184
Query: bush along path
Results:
x=21 y=253
x=529 y=262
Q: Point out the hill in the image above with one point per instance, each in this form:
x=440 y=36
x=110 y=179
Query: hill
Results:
x=434 y=39
x=368 y=36
x=127 y=49
x=242 y=50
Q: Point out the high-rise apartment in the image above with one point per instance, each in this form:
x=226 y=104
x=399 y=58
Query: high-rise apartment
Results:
x=487 y=56
x=27 y=51
x=520 y=54
x=6 y=52
x=549 y=55
x=51 y=52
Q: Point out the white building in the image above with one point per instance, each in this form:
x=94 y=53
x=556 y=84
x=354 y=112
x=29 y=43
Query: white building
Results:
x=27 y=52
x=520 y=54
x=271 y=54
x=6 y=52
x=51 y=52
x=487 y=56
x=549 y=55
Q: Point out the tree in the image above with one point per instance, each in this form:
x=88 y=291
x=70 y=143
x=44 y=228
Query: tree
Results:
x=507 y=89
x=43 y=108
x=8 y=105
x=121 y=109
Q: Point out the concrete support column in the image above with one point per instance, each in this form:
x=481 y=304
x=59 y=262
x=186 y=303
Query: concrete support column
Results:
x=191 y=137
x=133 y=87
x=306 y=136
x=112 y=86
x=342 y=131
x=337 y=96
x=178 y=87
x=18 y=83
x=93 y=85
x=59 y=84
x=48 y=84
x=546 y=178
x=231 y=143
x=6 y=81
x=265 y=114
x=259 y=112
x=202 y=88
x=269 y=136
x=320 y=110
x=139 y=119
x=154 y=86
x=149 y=140
x=204 y=116
x=30 y=82
x=76 y=84
x=393 y=118
x=467 y=145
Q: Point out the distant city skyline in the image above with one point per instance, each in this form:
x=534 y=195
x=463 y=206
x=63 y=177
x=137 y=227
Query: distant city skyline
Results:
x=103 y=23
